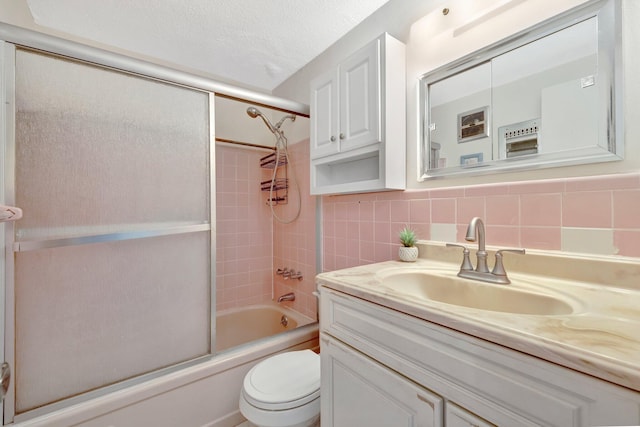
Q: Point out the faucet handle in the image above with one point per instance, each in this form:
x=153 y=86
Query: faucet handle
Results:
x=466 y=262
x=498 y=268
x=295 y=275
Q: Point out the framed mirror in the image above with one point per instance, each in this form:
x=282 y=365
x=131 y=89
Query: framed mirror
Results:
x=548 y=96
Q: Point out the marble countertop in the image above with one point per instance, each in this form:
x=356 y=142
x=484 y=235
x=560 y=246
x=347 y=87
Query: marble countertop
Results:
x=600 y=337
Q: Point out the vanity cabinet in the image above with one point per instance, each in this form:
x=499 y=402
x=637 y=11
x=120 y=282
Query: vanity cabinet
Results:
x=377 y=360
x=362 y=392
x=358 y=121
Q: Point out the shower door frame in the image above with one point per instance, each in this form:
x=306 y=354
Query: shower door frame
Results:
x=10 y=36
x=7 y=117
x=7 y=235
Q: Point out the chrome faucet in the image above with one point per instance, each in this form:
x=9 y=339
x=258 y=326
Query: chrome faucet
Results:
x=287 y=297
x=476 y=228
x=475 y=231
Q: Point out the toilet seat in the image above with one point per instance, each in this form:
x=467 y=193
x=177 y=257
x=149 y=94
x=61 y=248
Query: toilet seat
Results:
x=284 y=381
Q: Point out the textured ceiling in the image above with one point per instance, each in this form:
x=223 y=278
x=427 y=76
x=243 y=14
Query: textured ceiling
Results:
x=258 y=43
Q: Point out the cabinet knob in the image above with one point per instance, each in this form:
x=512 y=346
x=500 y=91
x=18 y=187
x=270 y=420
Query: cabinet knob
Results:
x=333 y=138
x=342 y=136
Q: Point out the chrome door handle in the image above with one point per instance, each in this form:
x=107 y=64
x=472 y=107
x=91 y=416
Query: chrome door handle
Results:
x=5 y=378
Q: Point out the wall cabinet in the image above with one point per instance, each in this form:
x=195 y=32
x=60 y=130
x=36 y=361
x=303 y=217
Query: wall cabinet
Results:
x=380 y=360
x=358 y=122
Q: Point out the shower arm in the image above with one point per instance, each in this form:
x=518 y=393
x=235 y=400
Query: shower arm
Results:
x=290 y=116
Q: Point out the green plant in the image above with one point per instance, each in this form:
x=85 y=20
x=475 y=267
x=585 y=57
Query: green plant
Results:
x=407 y=237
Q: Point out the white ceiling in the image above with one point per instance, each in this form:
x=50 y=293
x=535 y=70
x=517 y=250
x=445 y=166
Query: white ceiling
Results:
x=257 y=43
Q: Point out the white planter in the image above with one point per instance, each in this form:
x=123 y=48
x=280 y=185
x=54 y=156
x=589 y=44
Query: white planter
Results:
x=408 y=254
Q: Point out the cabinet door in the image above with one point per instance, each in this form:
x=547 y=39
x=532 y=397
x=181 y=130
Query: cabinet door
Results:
x=360 y=98
x=458 y=417
x=324 y=117
x=356 y=391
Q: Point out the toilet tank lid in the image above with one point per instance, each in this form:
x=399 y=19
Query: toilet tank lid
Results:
x=285 y=377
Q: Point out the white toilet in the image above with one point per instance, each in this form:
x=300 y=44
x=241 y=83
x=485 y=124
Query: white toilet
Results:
x=283 y=391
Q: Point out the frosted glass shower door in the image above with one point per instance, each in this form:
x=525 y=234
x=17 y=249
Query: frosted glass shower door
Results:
x=112 y=259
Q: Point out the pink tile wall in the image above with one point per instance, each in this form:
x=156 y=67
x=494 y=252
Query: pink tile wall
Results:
x=294 y=243
x=363 y=228
x=244 y=230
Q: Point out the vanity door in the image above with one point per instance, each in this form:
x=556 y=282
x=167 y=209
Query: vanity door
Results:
x=357 y=391
x=458 y=417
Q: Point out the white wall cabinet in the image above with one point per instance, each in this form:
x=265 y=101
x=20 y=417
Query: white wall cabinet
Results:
x=367 y=347
x=358 y=122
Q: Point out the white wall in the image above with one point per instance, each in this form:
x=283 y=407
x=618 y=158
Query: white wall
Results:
x=430 y=40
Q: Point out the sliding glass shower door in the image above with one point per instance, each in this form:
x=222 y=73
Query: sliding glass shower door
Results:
x=110 y=276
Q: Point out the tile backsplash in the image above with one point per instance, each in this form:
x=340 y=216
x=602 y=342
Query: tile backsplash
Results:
x=594 y=215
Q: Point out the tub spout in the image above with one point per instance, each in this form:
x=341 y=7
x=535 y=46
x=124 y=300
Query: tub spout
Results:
x=287 y=297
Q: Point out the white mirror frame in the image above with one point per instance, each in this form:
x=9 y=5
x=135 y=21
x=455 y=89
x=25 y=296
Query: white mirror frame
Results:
x=608 y=14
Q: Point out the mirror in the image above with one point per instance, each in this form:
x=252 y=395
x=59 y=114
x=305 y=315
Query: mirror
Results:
x=548 y=96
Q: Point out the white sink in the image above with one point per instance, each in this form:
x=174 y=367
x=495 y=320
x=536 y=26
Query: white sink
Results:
x=449 y=289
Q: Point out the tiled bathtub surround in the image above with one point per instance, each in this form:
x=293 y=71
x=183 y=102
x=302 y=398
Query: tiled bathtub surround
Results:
x=595 y=215
x=244 y=230
x=294 y=243
x=251 y=246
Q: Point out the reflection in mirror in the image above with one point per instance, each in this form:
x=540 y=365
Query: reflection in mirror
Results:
x=465 y=98
x=548 y=85
x=547 y=96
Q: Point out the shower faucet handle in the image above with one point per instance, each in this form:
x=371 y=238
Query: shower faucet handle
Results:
x=295 y=275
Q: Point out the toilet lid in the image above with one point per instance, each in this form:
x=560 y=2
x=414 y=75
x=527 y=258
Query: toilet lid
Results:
x=284 y=381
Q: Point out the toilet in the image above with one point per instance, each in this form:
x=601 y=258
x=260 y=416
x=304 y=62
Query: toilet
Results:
x=283 y=391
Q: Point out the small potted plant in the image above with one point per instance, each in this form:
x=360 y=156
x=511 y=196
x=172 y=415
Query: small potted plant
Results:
x=408 y=251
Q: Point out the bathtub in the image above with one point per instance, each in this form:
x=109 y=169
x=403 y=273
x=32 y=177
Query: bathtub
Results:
x=204 y=394
x=239 y=326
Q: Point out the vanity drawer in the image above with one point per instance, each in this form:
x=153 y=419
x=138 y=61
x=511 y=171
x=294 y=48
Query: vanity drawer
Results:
x=503 y=386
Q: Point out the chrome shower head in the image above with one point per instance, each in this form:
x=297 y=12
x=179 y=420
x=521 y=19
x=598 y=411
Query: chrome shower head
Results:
x=253 y=112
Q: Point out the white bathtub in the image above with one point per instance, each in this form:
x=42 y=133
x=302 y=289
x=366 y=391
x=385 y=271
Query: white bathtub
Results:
x=205 y=394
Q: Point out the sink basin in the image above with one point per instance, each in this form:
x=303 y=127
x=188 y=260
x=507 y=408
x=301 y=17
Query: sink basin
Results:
x=450 y=289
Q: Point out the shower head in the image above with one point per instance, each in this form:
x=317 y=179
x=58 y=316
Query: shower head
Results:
x=253 y=112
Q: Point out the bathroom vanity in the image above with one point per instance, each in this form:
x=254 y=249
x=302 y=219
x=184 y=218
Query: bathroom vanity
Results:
x=558 y=348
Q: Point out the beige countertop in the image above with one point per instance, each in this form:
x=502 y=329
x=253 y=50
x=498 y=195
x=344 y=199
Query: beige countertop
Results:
x=600 y=337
